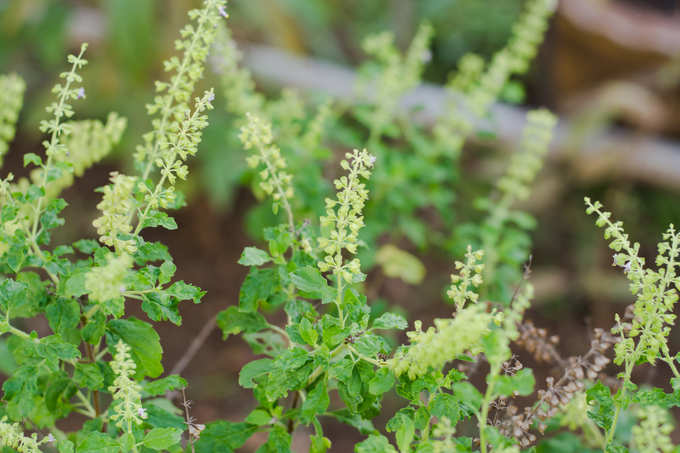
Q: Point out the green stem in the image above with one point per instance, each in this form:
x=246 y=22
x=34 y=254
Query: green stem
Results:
x=281 y=332
x=187 y=60
x=671 y=363
x=626 y=378
x=486 y=402
x=364 y=357
x=90 y=412
x=338 y=300
x=129 y=430
x=53 y=143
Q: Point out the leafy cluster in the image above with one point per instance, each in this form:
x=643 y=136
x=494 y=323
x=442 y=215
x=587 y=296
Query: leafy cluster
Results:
x=92 y=358
x=333 y=353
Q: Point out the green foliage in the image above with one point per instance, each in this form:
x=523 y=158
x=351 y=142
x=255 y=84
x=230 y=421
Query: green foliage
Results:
x=95 y=361
x=644 y=336
x=336 y=355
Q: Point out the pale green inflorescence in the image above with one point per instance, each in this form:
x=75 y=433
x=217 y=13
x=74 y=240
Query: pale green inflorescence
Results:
x=183 y=140
x=172 y=101
x=58 y=130
x=477 y=89
x=237 y=84
x=114 y=221
x=399 y=73
x=442 y=342
x=343 y=219
x=516 y=183
x=468 y=278
x=62 y=109
x=652 y=434
x=656 y=291
x=276 y=182
x=444 y=436
x=12 y=88
x=106 y=283
x=127 y=397
x=88 y=143
x=311 y=140
x=12 y=436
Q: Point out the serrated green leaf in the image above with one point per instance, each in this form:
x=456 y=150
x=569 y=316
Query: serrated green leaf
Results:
x=390 y=321
x=259 y=417
x=224 y=437
x=308 y=332
x=162 y=438
x=253 y=370
x=144 y=342
x=164 y=385
x=233 y=321
x=252 y=256
x=381 y=382
x=375 y=444
x=317 y=402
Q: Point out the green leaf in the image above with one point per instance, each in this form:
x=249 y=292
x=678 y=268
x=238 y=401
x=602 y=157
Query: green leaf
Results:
x=381 y=382
x=164 y=385
x=224 y=437
x=259 y=417
x=86 y=246
x=162 y=438
x=32 y=158
x=445 y=405
x=166 y=271
x=233 y=321
x=375 y=444
x=65 y=446
x=74 y=286
x=12 y=296
x=88 y=375
x=185 y=291
x=309 y=280
x=159 y=218
x=144 y=341
x=354 y=420
x=278 y=441
x=521 y=382
x=63 y=315
x=317 y=402
x=252 y=256
x=258 y=287
x=308 y=332
x=319 y=444
x=390 y=321
x=96 y=442
x=370 y=345
x=252 y=370
x=601 y=405
x=405 y=434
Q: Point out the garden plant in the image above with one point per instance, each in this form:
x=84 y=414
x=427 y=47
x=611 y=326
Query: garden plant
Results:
x=325 y=348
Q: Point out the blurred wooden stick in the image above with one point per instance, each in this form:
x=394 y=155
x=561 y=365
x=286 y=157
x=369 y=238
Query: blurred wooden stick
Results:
x=615 y=152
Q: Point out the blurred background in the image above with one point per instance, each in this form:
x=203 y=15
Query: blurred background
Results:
x=609 y=68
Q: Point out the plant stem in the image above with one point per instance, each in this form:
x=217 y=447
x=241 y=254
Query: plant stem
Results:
x=486 y=402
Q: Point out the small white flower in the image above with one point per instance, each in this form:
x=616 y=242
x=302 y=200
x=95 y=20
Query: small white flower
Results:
x=142 y=413
x=223 y=12
x=50 y=438
x=81 y=93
